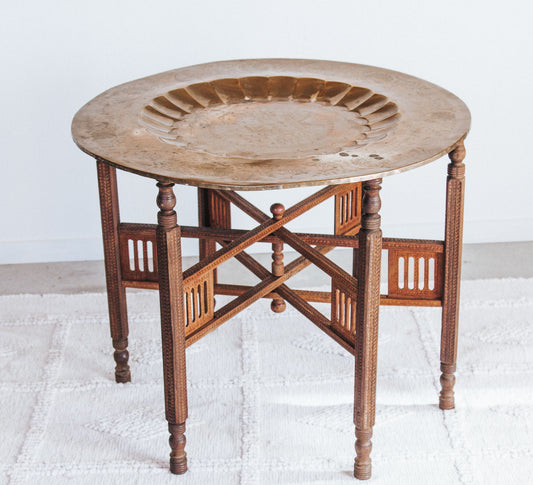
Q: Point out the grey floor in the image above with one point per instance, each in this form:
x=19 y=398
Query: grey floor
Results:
x=495 y=260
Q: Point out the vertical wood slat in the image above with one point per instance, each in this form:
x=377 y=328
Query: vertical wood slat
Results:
x=347 y=301
x=193 y=304
x=198 y=301
x=426 y=273
x=346 y=207
x=146 y=266
x=352 y=319
x=342 y=308
x=406 y=273
x=189 y=308
x=416 y=275
x=136 y=257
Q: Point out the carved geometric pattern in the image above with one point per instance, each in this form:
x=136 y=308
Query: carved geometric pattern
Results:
x=199 y=302
x=343 y=302
x=348 y=209
x=138 y=257
x=415 y=274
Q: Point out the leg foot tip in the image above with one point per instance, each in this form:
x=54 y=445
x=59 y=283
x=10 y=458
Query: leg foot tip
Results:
x=123 y=377
x=362 y=471
x=178 y=467
x=446 y=404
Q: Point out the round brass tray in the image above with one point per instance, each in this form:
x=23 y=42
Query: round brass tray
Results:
x=271 y=123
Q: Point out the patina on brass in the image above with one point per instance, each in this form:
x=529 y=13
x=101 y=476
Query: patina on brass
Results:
x=271 y=123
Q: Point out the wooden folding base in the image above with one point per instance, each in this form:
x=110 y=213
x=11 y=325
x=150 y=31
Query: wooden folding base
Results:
x=420 y=273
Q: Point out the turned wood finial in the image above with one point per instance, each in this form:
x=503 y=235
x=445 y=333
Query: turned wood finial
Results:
x=277 y=211
x=371 y=204
x=456 y=167
x=166 y=201
x=278 y=305
x=457 y=155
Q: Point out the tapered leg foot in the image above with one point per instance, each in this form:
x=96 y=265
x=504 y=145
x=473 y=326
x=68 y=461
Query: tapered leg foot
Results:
x=121 y=356
x=447 y=381
x=363 y=446
x=178 y=457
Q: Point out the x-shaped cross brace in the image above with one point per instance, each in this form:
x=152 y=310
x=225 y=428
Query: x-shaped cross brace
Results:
x=269 y=282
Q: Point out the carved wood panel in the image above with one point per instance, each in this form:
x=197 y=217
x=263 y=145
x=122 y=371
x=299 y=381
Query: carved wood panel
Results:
x=219 y=211
x=343 y=302
x=199 y=302
x=348 y=209
x=415 y=274
x=138 y=257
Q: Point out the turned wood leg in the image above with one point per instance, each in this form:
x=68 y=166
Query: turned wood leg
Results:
x=116 y=293
x=366 y=330
x=277 y=305
x=172 y=324
x=453 y=241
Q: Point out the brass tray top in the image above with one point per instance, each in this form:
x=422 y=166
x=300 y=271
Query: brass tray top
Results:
x=271 y=123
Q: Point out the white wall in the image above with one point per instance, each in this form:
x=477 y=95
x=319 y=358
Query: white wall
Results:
x=56 y=55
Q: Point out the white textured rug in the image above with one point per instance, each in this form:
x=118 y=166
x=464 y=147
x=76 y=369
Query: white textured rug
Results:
x=270 y=396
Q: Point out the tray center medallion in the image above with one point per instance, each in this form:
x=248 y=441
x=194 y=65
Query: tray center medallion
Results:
x=275 y=129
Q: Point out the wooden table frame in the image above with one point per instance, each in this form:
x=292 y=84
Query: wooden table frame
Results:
x=187 y=298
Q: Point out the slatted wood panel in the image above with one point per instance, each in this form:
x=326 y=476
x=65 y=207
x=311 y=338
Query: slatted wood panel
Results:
x=138 y=258
x=343 y=302
x=348 y=209
x=199 y=302
x=415 y=274
x=219 y=211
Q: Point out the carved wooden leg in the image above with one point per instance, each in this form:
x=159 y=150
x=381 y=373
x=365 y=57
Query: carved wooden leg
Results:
x=172 y=324
x=116 y=293
x=455 y=188
x=278 y=305
x=366 y=332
